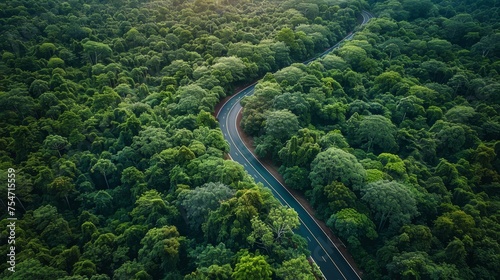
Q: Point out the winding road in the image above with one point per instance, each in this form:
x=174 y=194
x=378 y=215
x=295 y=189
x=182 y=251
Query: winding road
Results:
x=324 y=252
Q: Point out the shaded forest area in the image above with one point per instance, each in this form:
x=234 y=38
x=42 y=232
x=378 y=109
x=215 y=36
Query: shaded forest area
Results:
x=394 y=138
x=106 y=116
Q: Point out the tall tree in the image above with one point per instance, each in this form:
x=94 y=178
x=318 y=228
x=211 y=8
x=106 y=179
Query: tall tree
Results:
x=335 y=164
x=161 y=250
x=279 y=224
x=56 y=143
x=153 y=210
x=376 y=133
x=62 y=186
x=105 y=167
x=281 y=124
x=390 y=201
x=200 y=201
x=352 y=226
x=297 y=268
x=252 y=268
x=96 y=51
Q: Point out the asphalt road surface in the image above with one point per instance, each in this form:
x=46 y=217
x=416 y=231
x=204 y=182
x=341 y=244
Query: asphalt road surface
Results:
x=324 y=252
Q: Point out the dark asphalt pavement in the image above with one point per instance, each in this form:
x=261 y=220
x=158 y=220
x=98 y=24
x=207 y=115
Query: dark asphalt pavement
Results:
x=324 y=252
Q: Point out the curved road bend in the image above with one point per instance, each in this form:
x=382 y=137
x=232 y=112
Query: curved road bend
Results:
x=324 y=252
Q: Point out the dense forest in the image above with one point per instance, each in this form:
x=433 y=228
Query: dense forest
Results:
x=394 y=138
x=106 y=116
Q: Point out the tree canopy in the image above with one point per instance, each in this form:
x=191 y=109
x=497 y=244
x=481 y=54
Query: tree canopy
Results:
x=106 y=114
x=398 y=142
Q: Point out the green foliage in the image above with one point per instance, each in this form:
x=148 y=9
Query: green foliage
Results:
x=281 y=124
x=298 y=268
x=419 y=265
x=96 y=51
x=52 y=228
x=210 y=255
x=106 y=116
x=422 y=132
x=453 y=224
x=105 y=167
x=152 y=209
x=279 y=224
x=56 y=143
x=295 y=177
x=376 y=134
x=100 y=252
x=352 y=226
x=289 y=74
x=300 y=150
x=161 y=250
x=333 y=138
x=252 y=268
x=391 y=202
x=353 y=55
x=393 y=166
x=33 y=269
x=212 y=272
x=339 y=196
x=231 y=222
x=337 y=165
x=131 y=270
x=200 y=201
